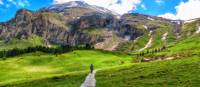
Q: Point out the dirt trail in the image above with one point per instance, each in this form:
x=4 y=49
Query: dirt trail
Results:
x=90 y=80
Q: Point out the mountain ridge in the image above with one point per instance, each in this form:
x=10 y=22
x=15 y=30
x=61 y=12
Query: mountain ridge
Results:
x=78 y=24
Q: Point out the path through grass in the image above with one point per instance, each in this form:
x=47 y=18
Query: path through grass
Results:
x=39 y=65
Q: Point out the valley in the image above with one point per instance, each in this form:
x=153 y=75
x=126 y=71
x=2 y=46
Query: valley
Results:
x=54 y=47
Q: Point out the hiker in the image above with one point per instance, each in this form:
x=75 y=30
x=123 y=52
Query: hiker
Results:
x=91 y=68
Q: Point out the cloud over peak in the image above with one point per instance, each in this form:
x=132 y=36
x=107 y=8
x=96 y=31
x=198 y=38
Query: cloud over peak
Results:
x=185 y=11
x=159 y=1
x=1 y=2
x=119 y=6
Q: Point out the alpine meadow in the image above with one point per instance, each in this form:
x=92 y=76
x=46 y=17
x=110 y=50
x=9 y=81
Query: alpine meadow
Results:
x=108 y=43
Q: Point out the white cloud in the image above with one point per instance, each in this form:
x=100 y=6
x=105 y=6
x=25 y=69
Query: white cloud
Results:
x=7 y=5
x=188 y=10
x=169 y=16
x=23 y=3
x=1 y=2
x=159 y=1
x=20 y=3
x=185 y=10
x=13 y=2
x=143 y=6
x=123 y=7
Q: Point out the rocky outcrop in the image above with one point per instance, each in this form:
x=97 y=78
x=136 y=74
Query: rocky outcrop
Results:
x=28 y=23
x=96 y=20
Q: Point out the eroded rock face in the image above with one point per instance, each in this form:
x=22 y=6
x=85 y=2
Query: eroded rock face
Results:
x=95 y=20
x=28 y=23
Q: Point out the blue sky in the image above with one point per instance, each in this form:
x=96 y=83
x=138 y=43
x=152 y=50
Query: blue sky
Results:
x=8 y=8
x=157 y=7
x=163 y=8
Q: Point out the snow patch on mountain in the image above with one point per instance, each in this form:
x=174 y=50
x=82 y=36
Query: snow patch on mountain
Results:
x=75 y=4
x=164 y=37
x=198 y=30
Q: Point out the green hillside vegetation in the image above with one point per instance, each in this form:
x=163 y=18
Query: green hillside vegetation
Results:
x=170 y=63
x=189 y=44
x=131 y=46
x=21 y=43
x=173 y=73
x=157 y=36
x=186 y=47
x=95 y=31
x=182 y=72
x=40 y=65
x=64 y=80
x=190 y=28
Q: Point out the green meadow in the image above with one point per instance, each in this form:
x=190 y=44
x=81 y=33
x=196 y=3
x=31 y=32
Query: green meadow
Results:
x=171 y=73
x=114 y=69
x=41 y=65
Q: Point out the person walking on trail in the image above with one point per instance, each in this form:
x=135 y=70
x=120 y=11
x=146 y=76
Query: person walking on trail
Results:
x=91 y=68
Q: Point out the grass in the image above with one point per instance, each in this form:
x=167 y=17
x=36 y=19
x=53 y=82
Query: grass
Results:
x=64 y=71
x=114 y=69
x=64 y=80
x=191 y=43
x=132 y=46
x=182 y=48
x=159 y=28
x=95 y=31
x=190 y=28
x=21 y=43
x=173 y=73
x=67 y=81
x=40 y=65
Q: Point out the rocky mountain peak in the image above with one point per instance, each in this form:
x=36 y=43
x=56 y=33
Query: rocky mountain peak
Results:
x=76 y=4
x=23 y=12
x=66 y=7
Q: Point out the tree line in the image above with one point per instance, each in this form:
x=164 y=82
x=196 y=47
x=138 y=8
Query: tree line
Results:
x=52 y=50
x=155 y=50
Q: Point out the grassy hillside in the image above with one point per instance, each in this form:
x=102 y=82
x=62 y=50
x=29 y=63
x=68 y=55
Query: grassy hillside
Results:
x=158 y=29
x=183 y=48
x=174 y=73
x=190 y=28
x=21 y=43
x=40 y=65
x=191 y=43
x=64 y=80
x=178 y=65
x=182 y=72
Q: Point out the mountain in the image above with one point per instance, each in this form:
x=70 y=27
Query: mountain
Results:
x=78 y=23
x=135 y=49
x=76 y=5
